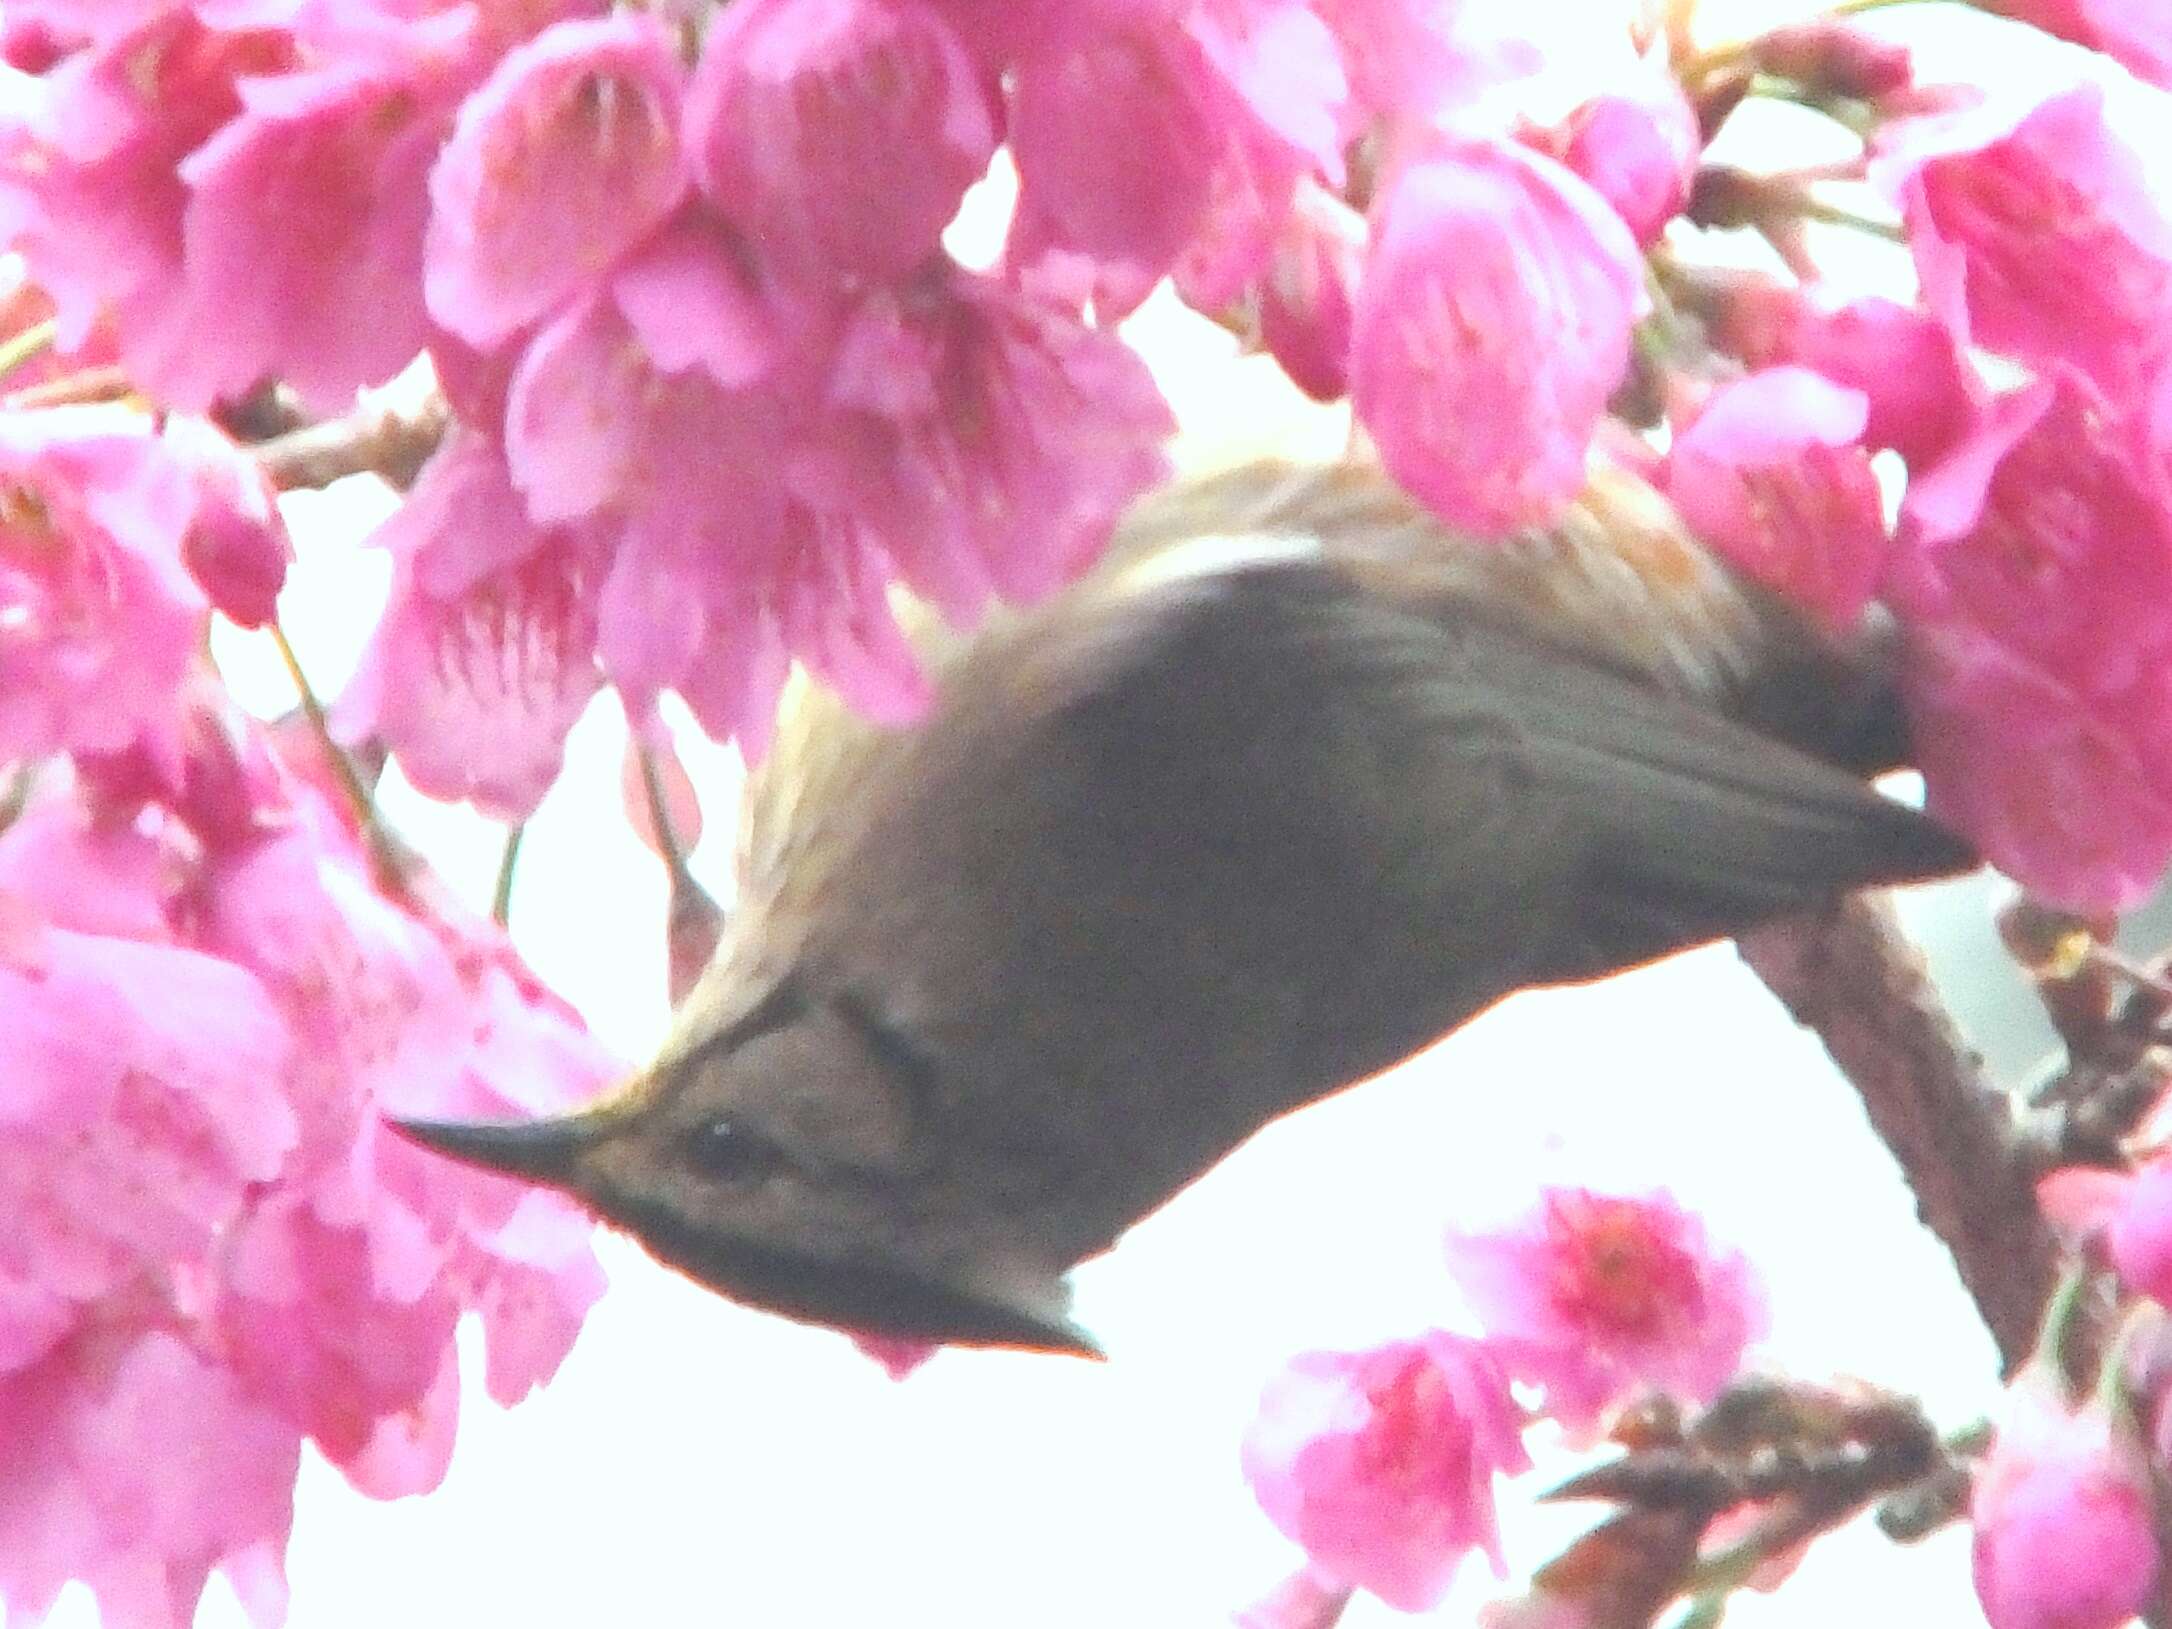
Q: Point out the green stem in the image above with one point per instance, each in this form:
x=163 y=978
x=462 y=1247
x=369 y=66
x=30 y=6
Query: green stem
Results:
x=2062 y=1313
x=501 y=895
x=27 y=346
x=359 y=802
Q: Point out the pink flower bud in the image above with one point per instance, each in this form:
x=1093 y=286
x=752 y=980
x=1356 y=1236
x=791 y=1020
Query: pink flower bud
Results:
x=1638 y=147
x=2065 y=1536
x=1492 y=326
x=1829 y=57
x=1381 y=1463
x=1599 y=1297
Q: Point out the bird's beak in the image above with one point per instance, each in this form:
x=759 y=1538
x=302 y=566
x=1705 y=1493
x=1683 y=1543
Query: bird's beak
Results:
x=543 y=1151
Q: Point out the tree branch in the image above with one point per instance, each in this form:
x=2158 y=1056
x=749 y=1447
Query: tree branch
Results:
x=392 y=438
x=1849 y=974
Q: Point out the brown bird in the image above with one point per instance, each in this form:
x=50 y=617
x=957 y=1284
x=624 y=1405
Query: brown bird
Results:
x=1295 y=783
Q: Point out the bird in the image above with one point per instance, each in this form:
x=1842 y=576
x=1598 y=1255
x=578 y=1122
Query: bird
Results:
x=1295 y=782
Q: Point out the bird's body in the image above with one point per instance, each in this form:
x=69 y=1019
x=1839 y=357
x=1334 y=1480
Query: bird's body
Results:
x=1293 y=784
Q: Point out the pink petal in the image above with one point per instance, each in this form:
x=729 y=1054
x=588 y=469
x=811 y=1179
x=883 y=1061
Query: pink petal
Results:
x=2062 y=1510
x=1999 y=211
x=304 y=226
x=839 y=134
x=1381 y=1463
x=236 y=544
x=101 y=204
x=1492 y=326
x=689 y=305
x=567 y=158
x=575 y=412
x=1600 y=1297
x=475 y=695
x=1773 y=475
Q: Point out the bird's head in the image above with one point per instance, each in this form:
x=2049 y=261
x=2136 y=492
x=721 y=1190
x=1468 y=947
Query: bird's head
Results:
x=784 y=1158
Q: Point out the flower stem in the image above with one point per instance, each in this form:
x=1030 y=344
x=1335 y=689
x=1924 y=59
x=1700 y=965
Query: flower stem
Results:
x=2062 y=1314
x=667 y=835
x=27 y=346
x=359 y=802
x=501 y=895
x=1812 y=208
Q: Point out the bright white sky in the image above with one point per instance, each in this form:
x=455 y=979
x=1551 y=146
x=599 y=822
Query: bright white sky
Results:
x=697 y=1464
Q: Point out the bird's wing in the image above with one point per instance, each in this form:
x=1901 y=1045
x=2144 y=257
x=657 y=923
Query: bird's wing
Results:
x=1685 y=825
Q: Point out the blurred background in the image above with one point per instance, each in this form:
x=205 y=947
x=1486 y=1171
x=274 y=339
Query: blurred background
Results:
x=698 y=1464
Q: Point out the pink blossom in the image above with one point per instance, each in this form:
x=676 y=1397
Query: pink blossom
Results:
x=2002 y=215
x=142 y=1099
x=564 y=161
x=2065 y=791
x=1923 y=394
x=2041 y=531
x=1381 y=1463
x=1132 y=142
x=345 y=1281
x=304 y=230
x=1638 y=146
x=840 y=135
x=1772 y=473
x=2137 y=36
x=218 y=1248
x=1599 y=1297
x=485 y=655
x=137 y=1463
x=2035 y=572
x=235 y=545
x=1492 y=326
x=2138 y=1233
x=2065 y=1537
x=99 y=620
x=988 y=439
x=89 y=176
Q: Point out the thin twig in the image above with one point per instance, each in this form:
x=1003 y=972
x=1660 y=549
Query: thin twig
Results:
x=393 y=440
x=1849 y=974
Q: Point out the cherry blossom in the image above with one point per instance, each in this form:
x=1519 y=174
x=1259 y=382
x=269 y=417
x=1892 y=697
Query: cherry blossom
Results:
x=1599 y=1297
x=1381 y=1463
x=2065 y=1538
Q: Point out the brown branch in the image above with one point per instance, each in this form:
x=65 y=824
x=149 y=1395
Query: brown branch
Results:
x=1849 y=974
x=392 y=439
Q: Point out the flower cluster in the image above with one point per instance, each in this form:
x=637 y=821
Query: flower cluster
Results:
x=213 y=985
x=1381 y=1463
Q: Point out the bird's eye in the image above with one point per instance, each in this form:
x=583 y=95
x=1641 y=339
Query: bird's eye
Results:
x=731 y=1153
